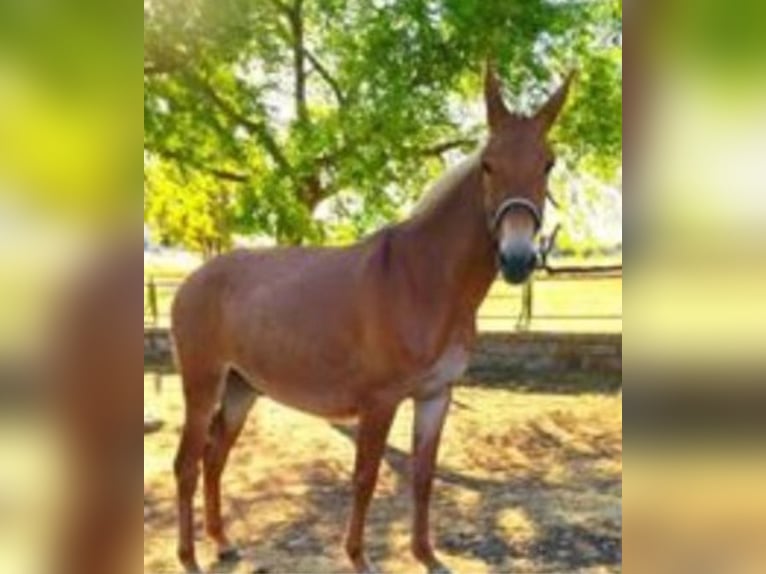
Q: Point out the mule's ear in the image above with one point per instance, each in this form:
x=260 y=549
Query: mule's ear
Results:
x=550 y=111
x=497 y=113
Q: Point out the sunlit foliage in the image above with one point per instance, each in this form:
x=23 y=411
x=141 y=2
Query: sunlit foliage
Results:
x=324 y=119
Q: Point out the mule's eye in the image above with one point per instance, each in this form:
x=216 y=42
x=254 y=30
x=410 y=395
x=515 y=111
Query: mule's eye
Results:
x=549 y=166
x=486 y=168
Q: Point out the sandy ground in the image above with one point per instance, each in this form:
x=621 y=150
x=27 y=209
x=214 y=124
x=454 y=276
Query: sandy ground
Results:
x=530 y=480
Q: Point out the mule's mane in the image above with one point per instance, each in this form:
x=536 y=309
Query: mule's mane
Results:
x=446 y=184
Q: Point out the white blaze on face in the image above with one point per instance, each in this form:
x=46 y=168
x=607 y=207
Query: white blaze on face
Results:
x=517 y=231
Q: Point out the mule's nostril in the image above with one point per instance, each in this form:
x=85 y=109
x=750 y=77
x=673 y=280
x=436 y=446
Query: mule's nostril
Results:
x=517 y=264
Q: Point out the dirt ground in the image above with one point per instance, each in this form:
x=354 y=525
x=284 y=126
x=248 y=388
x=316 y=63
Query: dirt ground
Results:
x=530 y=480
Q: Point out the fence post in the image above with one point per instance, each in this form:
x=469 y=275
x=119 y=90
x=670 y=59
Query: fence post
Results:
x=527 y=306
x=153 y=305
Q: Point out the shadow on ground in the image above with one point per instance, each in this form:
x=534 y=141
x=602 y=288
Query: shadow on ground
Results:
x=528 y=482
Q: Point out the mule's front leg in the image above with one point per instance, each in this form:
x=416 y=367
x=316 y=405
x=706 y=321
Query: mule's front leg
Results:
x=371 y=437
x=429 y=420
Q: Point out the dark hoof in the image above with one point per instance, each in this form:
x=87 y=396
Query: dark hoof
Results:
x=229 y=555
x=152 y=425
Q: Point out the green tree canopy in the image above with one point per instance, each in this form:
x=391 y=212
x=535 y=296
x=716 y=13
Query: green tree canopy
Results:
x=283 y=106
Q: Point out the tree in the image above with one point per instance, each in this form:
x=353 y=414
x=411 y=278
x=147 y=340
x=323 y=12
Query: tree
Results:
x=189 y=208
x=323 y=118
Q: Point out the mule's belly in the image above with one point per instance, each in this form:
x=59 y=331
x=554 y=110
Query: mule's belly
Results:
x=342 y=393
x=307 y=367
x=316 y=395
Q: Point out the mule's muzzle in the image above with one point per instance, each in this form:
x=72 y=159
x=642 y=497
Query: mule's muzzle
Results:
x=517 y=263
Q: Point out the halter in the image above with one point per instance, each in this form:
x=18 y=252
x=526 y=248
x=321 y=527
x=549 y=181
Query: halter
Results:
x=512 y=203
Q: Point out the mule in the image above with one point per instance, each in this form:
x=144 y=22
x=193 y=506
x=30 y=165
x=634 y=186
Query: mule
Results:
x=354 y=331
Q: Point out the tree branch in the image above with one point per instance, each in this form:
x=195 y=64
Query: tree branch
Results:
x=226 y=175
x=295 y=16
x=284 y=8
x=222 y=174
x=258 y=129
x=446 y=146
x=326 y=76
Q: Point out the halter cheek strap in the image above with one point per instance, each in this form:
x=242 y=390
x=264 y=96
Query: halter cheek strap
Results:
x=513 y=203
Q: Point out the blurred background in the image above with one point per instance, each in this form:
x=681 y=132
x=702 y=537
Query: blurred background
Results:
x=695 y=364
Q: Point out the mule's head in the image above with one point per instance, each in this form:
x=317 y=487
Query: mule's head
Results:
x=515 y=166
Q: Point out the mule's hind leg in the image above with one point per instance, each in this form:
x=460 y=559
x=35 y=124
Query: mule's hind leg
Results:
x=201 y=394
x=236 y=402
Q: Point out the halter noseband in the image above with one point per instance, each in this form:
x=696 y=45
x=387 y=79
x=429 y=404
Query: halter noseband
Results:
x=512 y=203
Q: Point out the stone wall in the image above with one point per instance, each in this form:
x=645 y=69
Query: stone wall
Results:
x=158 y=352
x=496 y=357
x=499 y=356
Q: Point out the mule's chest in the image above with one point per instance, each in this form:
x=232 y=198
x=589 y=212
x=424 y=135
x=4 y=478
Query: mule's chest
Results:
x=447 y=368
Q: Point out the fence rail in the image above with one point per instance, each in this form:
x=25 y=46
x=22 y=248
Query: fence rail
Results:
x=555 y=297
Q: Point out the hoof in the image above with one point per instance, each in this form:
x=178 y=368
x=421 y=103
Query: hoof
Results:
x=229 y=555
x=364 y=566
x=152 y=425
x=439 y=569
x=190 y=565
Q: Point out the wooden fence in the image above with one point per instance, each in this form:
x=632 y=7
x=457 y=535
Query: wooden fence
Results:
x=557 y=300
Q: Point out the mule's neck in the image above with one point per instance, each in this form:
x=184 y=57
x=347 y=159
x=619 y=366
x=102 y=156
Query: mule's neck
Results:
x=451 y=238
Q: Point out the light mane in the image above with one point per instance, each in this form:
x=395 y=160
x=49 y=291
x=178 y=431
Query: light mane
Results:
x=446 y=183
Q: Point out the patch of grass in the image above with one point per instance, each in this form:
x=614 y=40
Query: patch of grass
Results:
x=560 y=304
